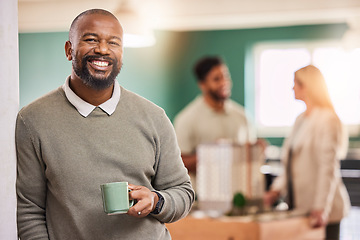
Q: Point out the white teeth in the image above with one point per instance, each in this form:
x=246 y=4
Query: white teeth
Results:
x=100 y=64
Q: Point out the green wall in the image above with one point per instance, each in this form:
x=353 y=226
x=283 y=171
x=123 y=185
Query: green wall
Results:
x=163 y=73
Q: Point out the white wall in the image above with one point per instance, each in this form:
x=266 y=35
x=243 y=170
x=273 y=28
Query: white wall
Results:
x=9 y=99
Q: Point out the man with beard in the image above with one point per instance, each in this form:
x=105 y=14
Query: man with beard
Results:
x=92 y=131
x=211 y=116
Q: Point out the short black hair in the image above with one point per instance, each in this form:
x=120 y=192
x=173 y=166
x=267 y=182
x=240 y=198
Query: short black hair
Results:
x=88 y=12
x=204 y=65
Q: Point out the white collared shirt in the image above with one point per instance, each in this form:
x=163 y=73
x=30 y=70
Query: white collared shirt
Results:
x=85 y=108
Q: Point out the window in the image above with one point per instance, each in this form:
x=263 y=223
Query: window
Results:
x=275 y=108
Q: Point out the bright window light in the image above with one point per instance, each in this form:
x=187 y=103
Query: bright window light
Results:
x=342 y=74
x=275 y=106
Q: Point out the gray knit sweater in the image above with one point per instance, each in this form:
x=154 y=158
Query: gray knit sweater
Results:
x=63 y=158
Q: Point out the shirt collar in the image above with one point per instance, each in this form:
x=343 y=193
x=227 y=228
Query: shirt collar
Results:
x=85 y=108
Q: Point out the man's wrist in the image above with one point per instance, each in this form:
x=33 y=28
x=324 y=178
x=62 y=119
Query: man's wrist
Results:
x=159 y=204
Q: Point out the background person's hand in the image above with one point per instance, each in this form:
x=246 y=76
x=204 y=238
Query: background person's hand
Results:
x=145 y=201
x=317 y=218
x=270 y=197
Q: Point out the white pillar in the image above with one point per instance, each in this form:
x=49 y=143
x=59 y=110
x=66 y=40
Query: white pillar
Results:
x=9 y=99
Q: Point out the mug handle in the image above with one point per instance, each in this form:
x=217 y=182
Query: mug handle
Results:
x=132 y=201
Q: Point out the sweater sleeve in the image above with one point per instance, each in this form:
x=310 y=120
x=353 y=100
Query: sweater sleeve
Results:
x=171 y=179
x=328 y=162
x=30 y=184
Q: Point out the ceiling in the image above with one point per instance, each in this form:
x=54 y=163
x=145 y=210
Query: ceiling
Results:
x=185 y=15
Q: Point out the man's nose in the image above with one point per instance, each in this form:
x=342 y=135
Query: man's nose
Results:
x=102 y=48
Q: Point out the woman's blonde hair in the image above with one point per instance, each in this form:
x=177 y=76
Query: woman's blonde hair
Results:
x=314 y=85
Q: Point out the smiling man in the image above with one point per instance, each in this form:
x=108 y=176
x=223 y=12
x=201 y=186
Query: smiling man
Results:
x=96 y=56
x=92 y=131
x=212 y=115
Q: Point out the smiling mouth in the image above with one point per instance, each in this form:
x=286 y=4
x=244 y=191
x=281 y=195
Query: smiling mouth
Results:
x=100 y=63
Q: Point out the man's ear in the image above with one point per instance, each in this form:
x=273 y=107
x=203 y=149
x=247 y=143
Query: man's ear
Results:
x=68 y=50
x=201 y=85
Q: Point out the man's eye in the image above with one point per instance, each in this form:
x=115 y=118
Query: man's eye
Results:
x=90 y=40
x=114 y=43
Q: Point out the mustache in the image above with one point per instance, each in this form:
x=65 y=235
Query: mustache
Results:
x=99 y=57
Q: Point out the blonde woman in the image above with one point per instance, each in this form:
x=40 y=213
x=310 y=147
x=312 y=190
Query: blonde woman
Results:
x=311 y=155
